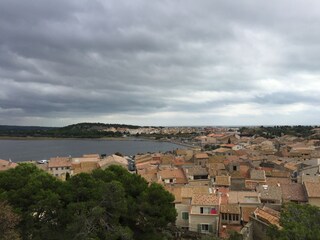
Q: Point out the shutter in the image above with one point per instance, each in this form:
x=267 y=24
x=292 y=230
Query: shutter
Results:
x=199 y=227
x=185 y=215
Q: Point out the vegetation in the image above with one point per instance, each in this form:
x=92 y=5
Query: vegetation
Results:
x=278 y=131
x=107 y=204
x=298 y=222
x=80 y=130
x=8 y=222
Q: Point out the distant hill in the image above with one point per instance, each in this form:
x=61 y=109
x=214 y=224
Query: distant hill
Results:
x=32 y=128
x=79 y=130
x=278 y=131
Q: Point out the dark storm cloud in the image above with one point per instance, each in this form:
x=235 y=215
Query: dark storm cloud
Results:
x=156 y=60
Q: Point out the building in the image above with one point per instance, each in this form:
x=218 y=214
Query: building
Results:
x=201 y=159
x=60 y=166
x=204 y=213
x=313 y=193
x=5 y=165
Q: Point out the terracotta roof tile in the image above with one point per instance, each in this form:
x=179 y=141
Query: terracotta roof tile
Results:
x=223 y=180
x=205 y=199
x=201 y=156
x=294 y=192
x=5 y=165
x=267 y=217
x=246 y=212
x=313 y=189
x=59 y=162
x=230 y=208
x=258 y=175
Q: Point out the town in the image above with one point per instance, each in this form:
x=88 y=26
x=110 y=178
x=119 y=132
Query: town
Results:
x=239 y=185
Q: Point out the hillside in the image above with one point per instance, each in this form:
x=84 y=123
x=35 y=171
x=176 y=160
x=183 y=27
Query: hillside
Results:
x=79 y=130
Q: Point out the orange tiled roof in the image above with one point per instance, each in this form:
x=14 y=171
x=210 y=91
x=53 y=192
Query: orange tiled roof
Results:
x=201 y=155
x=188 y=191
x=230 y=208
x=215 y=135
x=294 y=192
x=59 y=162
x=205 y=199
x=267 y=217
x=5 y=165
x=313 y=189
x=246 y=213
x=223 y=180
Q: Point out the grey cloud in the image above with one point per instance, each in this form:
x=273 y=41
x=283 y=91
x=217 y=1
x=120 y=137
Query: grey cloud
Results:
x=100 y=58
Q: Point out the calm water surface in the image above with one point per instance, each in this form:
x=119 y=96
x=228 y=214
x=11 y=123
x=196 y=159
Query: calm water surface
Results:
x=24 y=150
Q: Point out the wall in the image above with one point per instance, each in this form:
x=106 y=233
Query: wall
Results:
x=182 y=208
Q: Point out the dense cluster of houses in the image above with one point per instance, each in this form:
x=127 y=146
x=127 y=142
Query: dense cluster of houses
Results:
x=239 y=186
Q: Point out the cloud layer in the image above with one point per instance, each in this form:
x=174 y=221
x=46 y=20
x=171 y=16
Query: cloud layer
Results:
x=159 y=62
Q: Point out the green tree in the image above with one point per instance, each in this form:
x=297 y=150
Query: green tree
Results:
x=298 y=222
x=107 y=204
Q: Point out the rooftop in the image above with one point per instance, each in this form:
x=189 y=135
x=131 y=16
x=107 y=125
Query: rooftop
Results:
x=223 y=180
x=205 y=199
x=270 y=192
x=267 y=217
x=294 y=192
x=230 y=208
x=201 y=156
x=258 y=175
x=59 y=162
x=244 y=197
x=313 y=189
x=5 y=165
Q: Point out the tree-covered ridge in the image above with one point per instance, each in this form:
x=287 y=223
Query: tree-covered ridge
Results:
x=80 y=130
x=278 y=131
x=107 y=204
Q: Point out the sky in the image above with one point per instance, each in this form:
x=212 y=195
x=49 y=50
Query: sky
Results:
x=161 y=62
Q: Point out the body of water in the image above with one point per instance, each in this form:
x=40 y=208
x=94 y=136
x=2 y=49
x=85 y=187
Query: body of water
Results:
x=25 y=150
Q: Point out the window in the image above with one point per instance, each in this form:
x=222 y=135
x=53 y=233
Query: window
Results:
x=204 y=227
x=234 y=168
x=205 y=210
x=57 y=168
x=185 y=215
x=208 y=210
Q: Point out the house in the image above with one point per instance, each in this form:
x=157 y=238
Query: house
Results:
x=244 y=198
x=201 y=159
x=256 y=177
x=221 y=181
x=113 y=160
x=84 y=164
x=196 y=173
x=248 y=201
x=60 y=166
x=262 y=219
x=313 y=193
x=204 y=213
x=310 y=170
x=230 y=214
x=227 y=138
x=270 y=194
x=173 y=176
x=223 y=152
x=183 y=197
x=294 y=192
x=5 y=165
x=215 y=169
